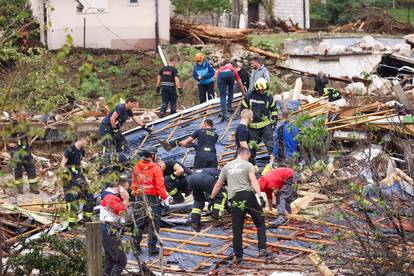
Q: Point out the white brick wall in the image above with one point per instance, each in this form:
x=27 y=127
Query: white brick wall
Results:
x=292 y=9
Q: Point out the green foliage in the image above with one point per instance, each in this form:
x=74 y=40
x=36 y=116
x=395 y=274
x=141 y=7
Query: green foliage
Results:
x=18 y=26
x=312 y=133
x=279 y=85
x=338 y=11
x=215 y=8
x=90 y=85
x=51 y=255
x=114 y=70
x=9 y=55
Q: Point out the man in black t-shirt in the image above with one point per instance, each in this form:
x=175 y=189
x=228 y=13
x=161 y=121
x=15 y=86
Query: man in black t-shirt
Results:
x=206 y=156
x=110 y=129
x=175 y=179
x=75 y=185
x=167 y=83
x=242 y=133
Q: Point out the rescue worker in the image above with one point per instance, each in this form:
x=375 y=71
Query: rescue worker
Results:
x=332 y=93
x=175 y=179
x=21 y=153
x=264 y=111
x=244 y=76
x=281 y=182
x=148 y=185
x=226 y=75
x=75 y=186
x=321 y=81
x=203 y=73
x=202 y=181
x=242 y=134
x=168 y=82
x=259 y=71
x=286 y=143
x=206 y=156
x=110 y=128
x=241 y=187
x=113 y=209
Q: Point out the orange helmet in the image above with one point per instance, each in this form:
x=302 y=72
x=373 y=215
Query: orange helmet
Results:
x=199 y=57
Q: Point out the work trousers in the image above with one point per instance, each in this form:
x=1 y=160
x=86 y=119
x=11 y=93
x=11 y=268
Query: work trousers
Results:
x=76 y=191
x=206 y=91
x=241 y=204
x=111 y=139
x=225 y=83
x=115 y=258
x=264 y=134
x=169 y=96
x=22 y=160
x=142 y=220
x=202 y=185
x=205 y=159
x=285 y=197
x=175 y=187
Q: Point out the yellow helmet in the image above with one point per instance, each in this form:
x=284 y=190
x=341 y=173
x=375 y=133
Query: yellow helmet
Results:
x=261 y=85
x=199 y=57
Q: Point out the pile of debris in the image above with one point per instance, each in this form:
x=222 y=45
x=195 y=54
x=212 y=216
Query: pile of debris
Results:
x=203 y=34
x=276 y=25
x=375 y=20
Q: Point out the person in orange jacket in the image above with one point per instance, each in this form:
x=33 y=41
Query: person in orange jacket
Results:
x=148 y=183
x=279 y=180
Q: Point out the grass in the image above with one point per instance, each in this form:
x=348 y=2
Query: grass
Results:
x=401 y=14
x=276 y=40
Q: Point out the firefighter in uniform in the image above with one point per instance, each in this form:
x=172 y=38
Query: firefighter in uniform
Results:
x=110 y=128
x=22 y=158
x=202 y=181
x=175 y=179
x=206 y=156
x=264 y=111
x=168 y=82
x=75 y=186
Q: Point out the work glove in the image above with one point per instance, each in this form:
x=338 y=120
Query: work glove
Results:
x=146 y=128
x=210 y=204
x=262 y=202
x=180 y=91
x=165 y=203
x=158 y=90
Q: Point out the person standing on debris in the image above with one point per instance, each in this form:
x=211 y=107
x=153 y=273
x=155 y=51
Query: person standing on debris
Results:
x=148 y=188
x=110 y=129
x=75 y=187
x=226 y=75
x=175 y=179
x=242 y=134
x=279 y=181
x=168 y=82
x=21 y=154
x=113 y=209
x=263 y=106
x=203 y=73
x=202 y=182
x=259 y=71
x=206 y=156
x=244 y=76
x=286 y=143
x=321 y=81
x=241 y=187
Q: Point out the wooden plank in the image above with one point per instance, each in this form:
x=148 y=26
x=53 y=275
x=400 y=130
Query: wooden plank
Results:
x=320 y=265
x=94 y=249
x=303 y=202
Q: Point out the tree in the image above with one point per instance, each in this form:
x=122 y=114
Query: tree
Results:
x=215 y=8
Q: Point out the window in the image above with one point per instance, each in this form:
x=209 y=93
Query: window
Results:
x=132 y=2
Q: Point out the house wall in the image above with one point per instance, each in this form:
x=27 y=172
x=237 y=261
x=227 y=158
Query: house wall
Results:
x=123 y=26
x=292 y=9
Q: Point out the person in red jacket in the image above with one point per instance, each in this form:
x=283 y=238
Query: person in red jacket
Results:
x=279 y=180
x=148 y=183
x=113 y=209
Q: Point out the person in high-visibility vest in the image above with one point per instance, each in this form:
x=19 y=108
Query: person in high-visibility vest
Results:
x=263 y=106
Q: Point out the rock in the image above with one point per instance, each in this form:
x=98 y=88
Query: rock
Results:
x=379 y=86
x=323 y=48
x=370 y=43
x=356 y=88
x=405 y=50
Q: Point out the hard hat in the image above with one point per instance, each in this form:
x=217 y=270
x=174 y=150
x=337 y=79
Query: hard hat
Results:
x=199 y=57
x=148 y=151
x=261 y=84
